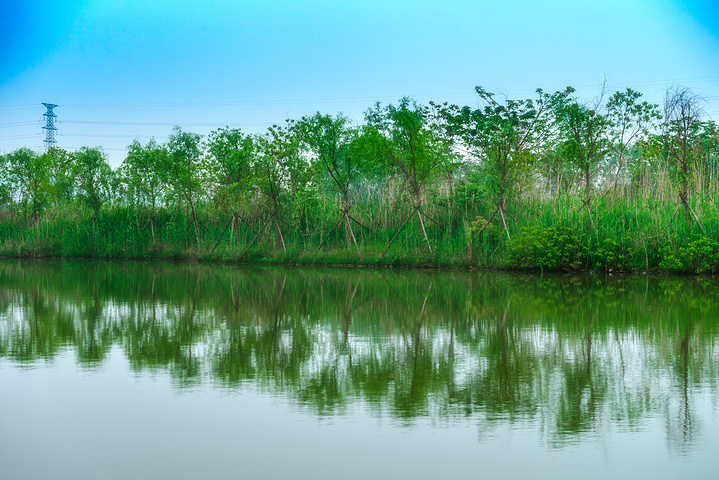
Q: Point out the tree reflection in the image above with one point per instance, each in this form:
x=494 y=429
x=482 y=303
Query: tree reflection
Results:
x=574 y=354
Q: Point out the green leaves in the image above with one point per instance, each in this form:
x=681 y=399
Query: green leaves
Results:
x=405 y=139
x=28 y=180
x=553 y=248
x=93 y=178
x=232 y=155
x=141 y=173
x=505 y=138
x=281 y=170
x=331 y=143
x=183 y=168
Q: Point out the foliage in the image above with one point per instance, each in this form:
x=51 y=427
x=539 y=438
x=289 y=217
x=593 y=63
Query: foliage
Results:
x=281 y=172
x=184 y=171
x=505 y=138
x=94 y=179
x=613 y=255
x=141 y=171
x=553 y=248
x=699 y=254
x=629 y=122
x=27 y=177
x=330 y=140
x=583 y=138
x=404 y=140
x=232 y=155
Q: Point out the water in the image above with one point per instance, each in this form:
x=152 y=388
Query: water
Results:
x=132 y=370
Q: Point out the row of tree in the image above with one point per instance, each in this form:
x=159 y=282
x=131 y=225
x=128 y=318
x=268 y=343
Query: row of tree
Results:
x=508 y=148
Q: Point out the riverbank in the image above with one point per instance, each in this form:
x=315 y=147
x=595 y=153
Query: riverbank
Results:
x=624 y=235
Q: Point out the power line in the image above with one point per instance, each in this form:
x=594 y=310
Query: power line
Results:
x=110 y=135
x=346 y=99
x=104 y=149
x=168 y=124
x=24 y=105
x=19 y=124
x=20 y=135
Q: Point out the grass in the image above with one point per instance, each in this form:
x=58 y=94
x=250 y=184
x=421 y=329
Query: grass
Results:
x=634 y=232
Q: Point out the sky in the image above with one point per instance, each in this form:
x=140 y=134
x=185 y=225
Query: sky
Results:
x=132 y=69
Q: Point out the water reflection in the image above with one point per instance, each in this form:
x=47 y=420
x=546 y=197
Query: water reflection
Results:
x=574 y=355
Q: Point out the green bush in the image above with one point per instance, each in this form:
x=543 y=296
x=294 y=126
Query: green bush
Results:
x=553 y=248
x=610 y=254
x=699 y=255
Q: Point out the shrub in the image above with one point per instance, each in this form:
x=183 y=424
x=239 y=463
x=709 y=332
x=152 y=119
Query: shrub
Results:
x=612 y=255
x=700 y=254
x=553 y=248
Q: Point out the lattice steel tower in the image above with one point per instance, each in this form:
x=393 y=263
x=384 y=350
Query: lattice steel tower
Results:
x=49 y=126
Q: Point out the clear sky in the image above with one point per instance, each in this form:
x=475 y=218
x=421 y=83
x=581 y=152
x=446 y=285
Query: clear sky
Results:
x=124 y=69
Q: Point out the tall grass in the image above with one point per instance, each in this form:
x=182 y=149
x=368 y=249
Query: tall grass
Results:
x=636 y=230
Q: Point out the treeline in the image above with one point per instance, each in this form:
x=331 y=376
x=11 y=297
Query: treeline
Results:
x=551 y=182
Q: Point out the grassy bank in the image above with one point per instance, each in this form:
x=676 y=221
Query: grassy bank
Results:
x=629 y=234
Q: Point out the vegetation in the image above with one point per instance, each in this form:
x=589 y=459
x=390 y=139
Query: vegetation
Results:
x=552 y=183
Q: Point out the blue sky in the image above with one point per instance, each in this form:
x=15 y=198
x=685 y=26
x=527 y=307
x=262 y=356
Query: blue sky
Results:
x=121 y=69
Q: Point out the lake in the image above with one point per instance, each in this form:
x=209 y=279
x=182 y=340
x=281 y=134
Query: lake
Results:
x=116 y=370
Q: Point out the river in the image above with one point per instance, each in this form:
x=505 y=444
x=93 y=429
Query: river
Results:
x=116 y=370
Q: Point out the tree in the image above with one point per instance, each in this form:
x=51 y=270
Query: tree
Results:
x=184 y=171
x=682 y=148
x=6 y=187
x=584 y=142
x=29 y=175
x=709 y=145
x=330 y=140
x=232 y=156
x=60 y=164
x=629 y=122
x=404 y=140
x=141 y=175
x=280 y=172
x=503 y=137
x=94 y=179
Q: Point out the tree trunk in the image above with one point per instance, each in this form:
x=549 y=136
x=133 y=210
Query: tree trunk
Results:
x=588 y=197
x=194 y=222
x=424 y=232
x=351 y=233
x=279 y=233
x=232 y=228
x=398 y=232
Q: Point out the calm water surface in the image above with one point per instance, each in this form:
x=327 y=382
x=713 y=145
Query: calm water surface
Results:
x=163 y=371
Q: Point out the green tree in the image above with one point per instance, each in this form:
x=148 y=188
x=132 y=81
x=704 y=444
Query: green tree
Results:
x=6 y=187
x=281 y=173
x=184 y=172
x=584 y=142
x=681 y=144
x=404 y=140
x=29 y=174
x=141 y=175
x=503 y=137
x=231 y=155
x=60 y=164
x=94 y=179
x=330 y=140
x=709 y=141
x=629 y=123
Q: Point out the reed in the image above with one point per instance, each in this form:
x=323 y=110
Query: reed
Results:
x=635 y=230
